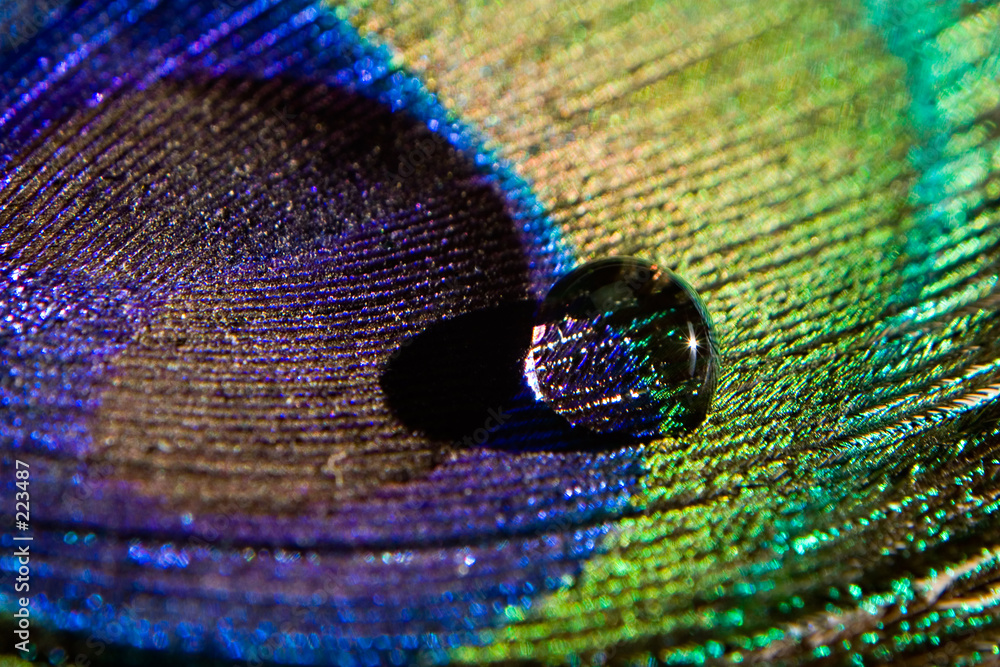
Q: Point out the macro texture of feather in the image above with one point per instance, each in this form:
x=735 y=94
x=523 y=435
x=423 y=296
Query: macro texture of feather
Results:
x=265 y=266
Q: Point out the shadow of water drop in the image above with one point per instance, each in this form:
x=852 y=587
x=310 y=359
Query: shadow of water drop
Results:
x=462 y=380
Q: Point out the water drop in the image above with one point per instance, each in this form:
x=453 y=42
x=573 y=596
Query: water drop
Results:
x=621 y=345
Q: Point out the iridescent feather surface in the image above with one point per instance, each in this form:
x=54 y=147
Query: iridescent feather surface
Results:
x=267 y=273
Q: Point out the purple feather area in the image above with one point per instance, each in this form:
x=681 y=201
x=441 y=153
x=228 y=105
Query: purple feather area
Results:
x=263 y=303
